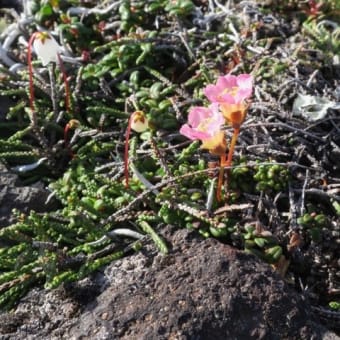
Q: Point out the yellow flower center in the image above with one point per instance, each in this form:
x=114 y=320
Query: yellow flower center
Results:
x=230 y=90
x=216 y=145
x=139 y=122
x=203 y=125
x=43 y=36
x=138 y=116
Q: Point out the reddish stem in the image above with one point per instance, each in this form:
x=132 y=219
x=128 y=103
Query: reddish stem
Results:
x=66 y=141
x=232 y=147
x=226 y=162
x=126 y=153
x=66 y=130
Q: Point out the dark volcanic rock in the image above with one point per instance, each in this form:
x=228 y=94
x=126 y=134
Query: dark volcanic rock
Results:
x=201 y=290
x=24 y=198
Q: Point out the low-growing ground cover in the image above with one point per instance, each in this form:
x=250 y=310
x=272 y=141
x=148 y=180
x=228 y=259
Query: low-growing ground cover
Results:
x=66 y=126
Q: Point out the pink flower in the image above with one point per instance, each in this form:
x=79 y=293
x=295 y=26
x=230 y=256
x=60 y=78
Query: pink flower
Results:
x=203 y=122
x=230 y=89
x=231 y=92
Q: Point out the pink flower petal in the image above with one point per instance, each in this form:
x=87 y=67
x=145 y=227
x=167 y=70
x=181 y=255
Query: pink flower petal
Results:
x=203 y=122
x=211 y=93
x=197 y=114
x=193 y=134
x=245 y=81
x=227 y=81
x=230 y=89
x=241 y=95
x=245 y=84
x=227 y=98
x=216 y=120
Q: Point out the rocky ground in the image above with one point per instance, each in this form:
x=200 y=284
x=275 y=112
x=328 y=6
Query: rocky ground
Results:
x=15 y=195
x=202 y=289
x=284 y=187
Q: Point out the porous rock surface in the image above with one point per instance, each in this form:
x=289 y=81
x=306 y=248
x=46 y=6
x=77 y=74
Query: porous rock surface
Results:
x=202 y=289
x=13 y=194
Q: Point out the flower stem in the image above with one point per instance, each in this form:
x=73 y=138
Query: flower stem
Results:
x=220 y=178
x=226 y=162
x=51 y=69
x=232 y=147
x=67 y=87
x=126 y=153
x=66 y=131
x=30 y=75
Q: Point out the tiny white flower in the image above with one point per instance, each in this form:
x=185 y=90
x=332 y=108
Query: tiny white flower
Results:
x=139 y=122
x=46 y=48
